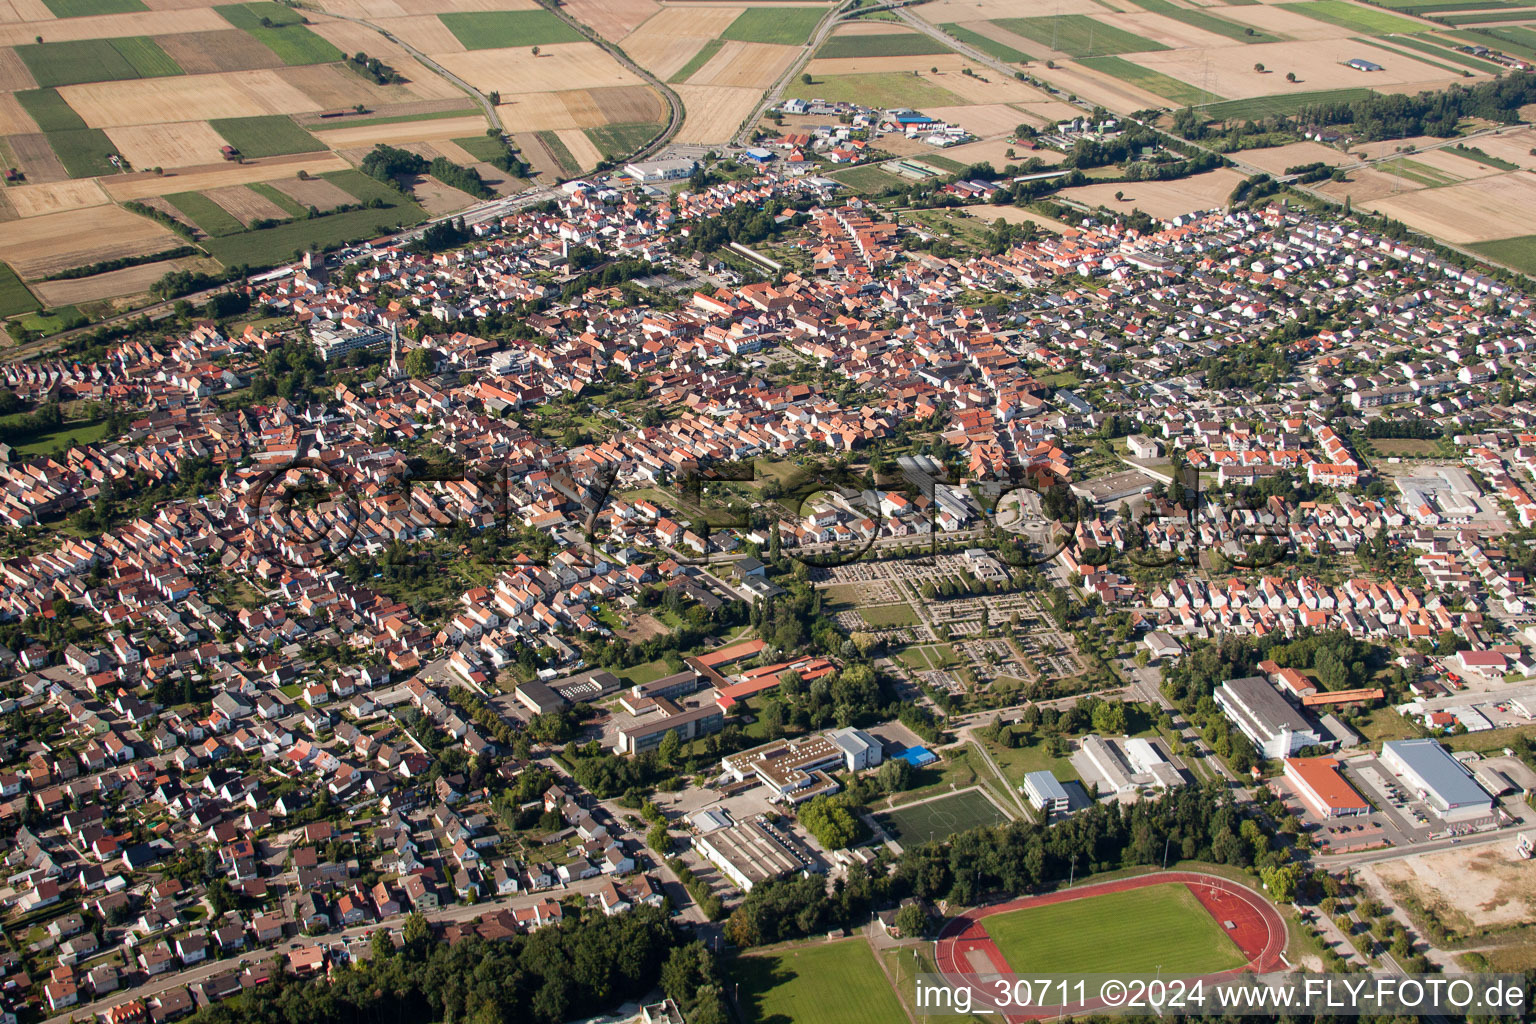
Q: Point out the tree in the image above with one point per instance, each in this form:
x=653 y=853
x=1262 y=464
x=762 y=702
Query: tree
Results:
x=1290 y=76
x=911 y=921
x=667 y=750
x=806 y=79
x=1259 y=68
x=419 y=363
x=1281 y=881
x=895 y=775
x=416 y=933
x=535 y=51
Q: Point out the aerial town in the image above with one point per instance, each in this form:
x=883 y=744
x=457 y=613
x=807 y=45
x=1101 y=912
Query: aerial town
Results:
x=706 y=557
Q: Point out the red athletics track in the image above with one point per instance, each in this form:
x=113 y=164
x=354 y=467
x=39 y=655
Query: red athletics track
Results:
x=1257 y=928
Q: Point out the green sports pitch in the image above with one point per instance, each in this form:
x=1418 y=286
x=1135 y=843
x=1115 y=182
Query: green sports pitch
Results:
x=1159 y=928
x=825 y=983
x=937 y=820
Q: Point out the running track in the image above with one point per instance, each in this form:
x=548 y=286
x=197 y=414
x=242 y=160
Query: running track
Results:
x=1257 y=928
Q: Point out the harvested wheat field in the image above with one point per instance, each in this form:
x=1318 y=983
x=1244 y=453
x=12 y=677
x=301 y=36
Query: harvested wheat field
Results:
x=1318 y=63
x=514 y=70
x=1486 y=887
x=422 y=31
x=1474 y=211
x=613 y=19
x=138 y=186
x=1162 y=199
x=714 y=114
x=39 y=246
x=245 y=205
x=371 y=10
x=435 y=7
x=943 y=11
x=1448 y=162
x=14 y=75
x=168 y=208
x=12 y=11
x=185 y=98
x=55 y=197
x=13 y=119
x=1101 y=89
x=995 y=152
x=581 y=148
x=437 y=198
x=538 y=155
x=630 y=105
x=1277 y=158
x=1391 y=147
x=403 y=131
x=982 y=120
x=745 y=65
x=316 y=192
x=206 y=53
x=1160 y=29
x=188 y=144
x=7 y=212
x=541 y=111
x=1363 y=185
x=36 y=158
x=1278 y=21
x=113 y=26
x=115 y=283
x=331 y=85
x=669 y=40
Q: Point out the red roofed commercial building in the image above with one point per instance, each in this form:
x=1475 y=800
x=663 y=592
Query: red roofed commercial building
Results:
x=1323 y=788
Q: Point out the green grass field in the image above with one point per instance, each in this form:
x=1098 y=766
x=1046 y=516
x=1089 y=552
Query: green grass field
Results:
x=1160 y=928
x=1444 y=53
x=788 y=26
x=87 y=8
x=1355 y=18
x=360 y=122
x=869 y=180
x=938 y=819
x=77 y=61
x=894 y=44
x=1489 y=16
x=1419 y=173
x=889 y=615
x=278 y=244
x=1079 y=35
x=883 y=89
x=14 y=296
x=1518 y=252
x=1478 y=156
x=208 y=215
x=1155 y=82
x=83 y=151
x=1208 y=22
x=991 y=47
x=818 y=983
x=1269 y=106
x=619 y=140
x=481 y=147
x=268 y=135
x=697 y=61
x=281 y=30
x=287 y=203
x=50 y=110
x=490 y=30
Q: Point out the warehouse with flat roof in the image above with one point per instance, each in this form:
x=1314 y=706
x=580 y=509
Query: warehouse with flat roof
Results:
x=1265 y=717
x=1439 y=779
x=753 y=851
x=1323 y=788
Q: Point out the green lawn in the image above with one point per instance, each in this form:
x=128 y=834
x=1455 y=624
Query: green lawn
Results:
x=490 y=30
x=1518 y=252
x=883 y=89
x=50 y=110
x=620 y=140
x=206 y=214
x=937 y=820
x=788 y=26
x=894 y=44
x=268 y=135
x=818 y=983
x=1161 y=928
x=697 y=61
x=14 y=296
x=86 y=8
x=1166 y=86
x=1271 y=106
x=991 y=47
x=1356 y=18
x=889 y=615
x=1208 y=22
x=646 y=672
x=77 y=61
x=868 y=179
x=83 y=151
x=65 y=436
x=280 y=29
x=481 y=147
x=1079 y=35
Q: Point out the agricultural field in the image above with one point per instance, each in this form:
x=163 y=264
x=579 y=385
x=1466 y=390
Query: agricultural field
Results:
x=281 y=30
x=1162 y=199
x=96 y=60
x=879 y=89
x=493 y=30
x=269 y=135
x=14 y=297
x=986 y=44
x=1161 y=928
x=1208 y=22
x=886 y=44
x=1180 y=93
x=815 y=983
x=787 y=26
x=1357 y=18
x=1078 y=35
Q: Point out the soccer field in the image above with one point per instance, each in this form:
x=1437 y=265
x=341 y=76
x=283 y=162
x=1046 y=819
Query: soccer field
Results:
x=1160 y=928
x=939 y=819
x=825 y=983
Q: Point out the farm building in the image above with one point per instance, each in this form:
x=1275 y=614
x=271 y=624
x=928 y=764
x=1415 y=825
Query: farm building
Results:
x=1323 y=788
x=1438 y=778
x=1360 y=64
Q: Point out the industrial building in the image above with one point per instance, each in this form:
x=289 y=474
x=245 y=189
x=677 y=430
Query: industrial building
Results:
x=754 y=851
x=1046 y=794
x=1121 y=765
x=1438 y=778
x=1265 y=717
x=660 y=170
x=1323 y=788
x=796 y=770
